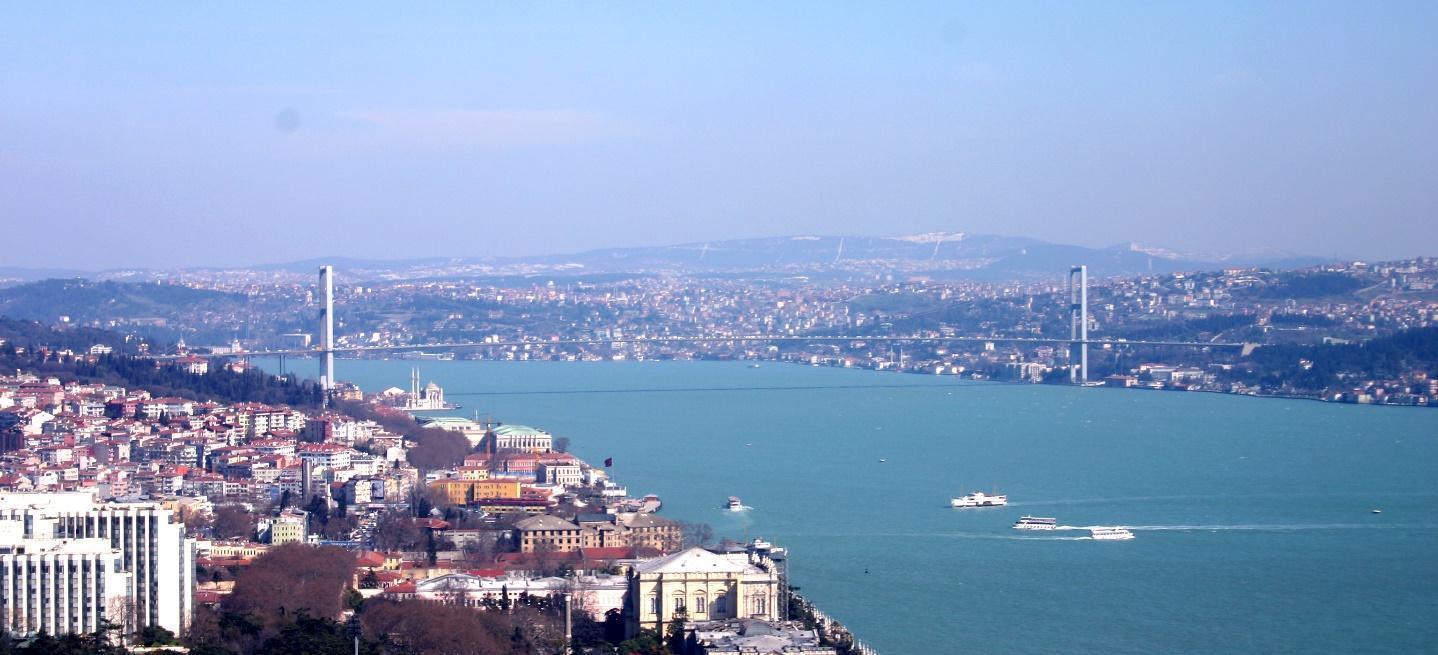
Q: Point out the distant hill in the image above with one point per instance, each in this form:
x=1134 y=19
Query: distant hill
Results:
x=938 y=255
x=945 y=255
x=12 y=275
x=83 y=301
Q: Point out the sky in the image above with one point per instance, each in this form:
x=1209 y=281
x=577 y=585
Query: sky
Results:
x=174 y=134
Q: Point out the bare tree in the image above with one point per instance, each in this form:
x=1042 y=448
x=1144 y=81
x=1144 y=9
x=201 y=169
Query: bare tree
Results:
x=695 y=534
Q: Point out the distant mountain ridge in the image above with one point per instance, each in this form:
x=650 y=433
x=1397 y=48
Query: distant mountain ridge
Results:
x=935 y=254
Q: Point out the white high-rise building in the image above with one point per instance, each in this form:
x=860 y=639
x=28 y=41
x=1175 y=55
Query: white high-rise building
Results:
x=40 y=532
x=58 y=586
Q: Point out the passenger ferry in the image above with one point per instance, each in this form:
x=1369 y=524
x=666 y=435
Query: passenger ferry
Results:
x=1035 y=523
x=1110 y=534
x=734 y=504
x=979 y=499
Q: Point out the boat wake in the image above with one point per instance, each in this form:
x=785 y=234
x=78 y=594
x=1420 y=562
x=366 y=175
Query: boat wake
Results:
x=1162 y=498
x=938 y=535
x=1264 y=527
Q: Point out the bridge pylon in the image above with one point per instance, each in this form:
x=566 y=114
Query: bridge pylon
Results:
x=327 y=331
x=1078 y=324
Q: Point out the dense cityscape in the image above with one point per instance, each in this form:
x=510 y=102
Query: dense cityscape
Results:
x=1304 y=325
x=718 y=328
x=114 y=417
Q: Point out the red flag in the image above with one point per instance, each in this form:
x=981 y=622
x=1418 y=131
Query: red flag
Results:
x=608 y=462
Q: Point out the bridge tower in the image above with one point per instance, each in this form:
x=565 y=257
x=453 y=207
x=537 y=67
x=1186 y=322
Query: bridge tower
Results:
x=1078 y=324
x=327 y=331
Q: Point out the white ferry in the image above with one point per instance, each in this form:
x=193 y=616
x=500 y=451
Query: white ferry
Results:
x=979 y=499
x=1110 y=534
x=1035 y=523
x=734 y=504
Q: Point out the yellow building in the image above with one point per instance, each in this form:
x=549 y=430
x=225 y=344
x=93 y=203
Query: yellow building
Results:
x=290 y=527
x=652 y=531
x=464 y=492
x=700 y=585
x=473 y=473
x=545 y=533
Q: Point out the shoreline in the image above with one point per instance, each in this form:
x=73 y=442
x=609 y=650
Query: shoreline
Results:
x=1278 y=396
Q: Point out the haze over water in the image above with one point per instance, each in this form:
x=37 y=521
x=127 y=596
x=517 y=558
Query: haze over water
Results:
x=1253 y=516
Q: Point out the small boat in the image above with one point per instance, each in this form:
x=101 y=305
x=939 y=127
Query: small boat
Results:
x=1110 y=534
x=753 y=366
x=1035 y=523
x=734 y=504
x=882 y=460
x=1377 y=511
x=979 y=499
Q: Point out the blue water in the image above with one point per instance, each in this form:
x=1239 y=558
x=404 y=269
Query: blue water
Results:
x=1253 y=516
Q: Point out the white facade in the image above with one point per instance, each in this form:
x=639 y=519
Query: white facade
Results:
x=58 y=586
x=564 y=475
x=151 y=547
x=699 y=585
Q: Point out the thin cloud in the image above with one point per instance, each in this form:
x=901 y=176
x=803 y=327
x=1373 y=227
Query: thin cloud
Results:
x=462 y=129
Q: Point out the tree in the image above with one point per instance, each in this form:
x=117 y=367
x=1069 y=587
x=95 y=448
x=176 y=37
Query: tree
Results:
x=397 y=531
x=154 y=635
x=645 y=643
x=310 y=636
x=233 y=522
x=695 y=534
x=339 y=527
x=353 y=599
x=195 y=521
x=428 y=628
x=437 y=449
x=291 y=579
x=318 y=511
x=71 y=644
x=674 y=633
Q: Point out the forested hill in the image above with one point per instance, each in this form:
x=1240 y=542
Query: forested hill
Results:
x=1339 y=366
x=33 y=334
x=83 y=301
x=25 y=342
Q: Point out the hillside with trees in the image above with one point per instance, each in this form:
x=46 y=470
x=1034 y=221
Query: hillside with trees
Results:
x=86 y=300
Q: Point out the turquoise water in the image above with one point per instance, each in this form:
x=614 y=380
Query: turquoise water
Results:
x=1254 y=523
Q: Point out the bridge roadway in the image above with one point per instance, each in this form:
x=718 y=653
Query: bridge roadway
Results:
x=1247 y=347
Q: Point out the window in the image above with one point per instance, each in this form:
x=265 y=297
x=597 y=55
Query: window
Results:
x=721 y=604
x=760 y=605
x=678 y=604
x=701 y=604
x=653 y=603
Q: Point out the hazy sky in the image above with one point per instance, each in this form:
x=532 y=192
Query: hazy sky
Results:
x=174 y=134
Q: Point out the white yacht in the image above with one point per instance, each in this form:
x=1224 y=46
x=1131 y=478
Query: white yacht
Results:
x=734 y=504
x=1035 y=523
x=1110 y=534
x=979 y=499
